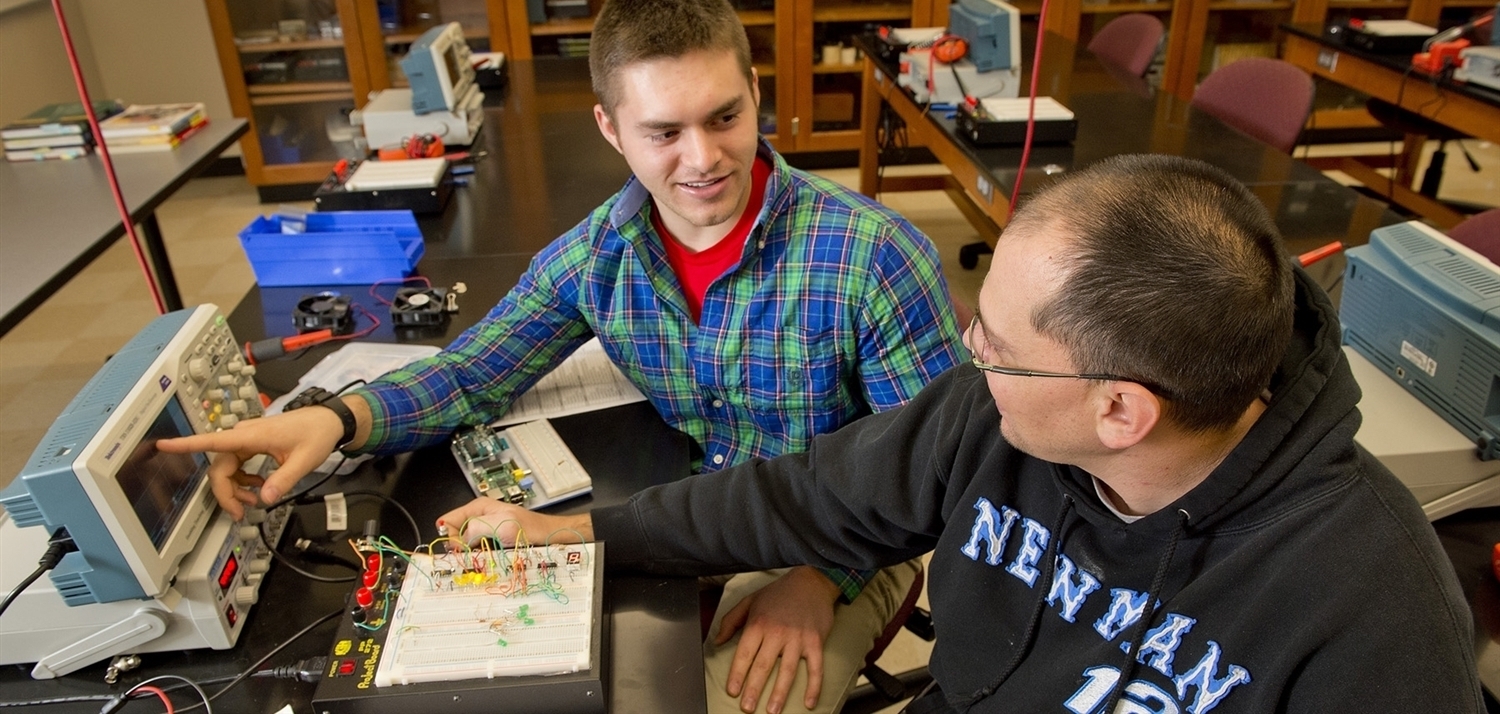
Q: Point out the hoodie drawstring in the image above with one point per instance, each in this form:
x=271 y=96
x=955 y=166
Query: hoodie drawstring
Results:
x=1049 y=559
x=1139 y=631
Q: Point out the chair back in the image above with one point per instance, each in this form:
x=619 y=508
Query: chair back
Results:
x=1481 y=233
x=1266 y=98
x=1129 y=41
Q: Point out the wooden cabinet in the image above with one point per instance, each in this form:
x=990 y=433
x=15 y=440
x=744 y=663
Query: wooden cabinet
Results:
x=296 y=69
x=809 y=92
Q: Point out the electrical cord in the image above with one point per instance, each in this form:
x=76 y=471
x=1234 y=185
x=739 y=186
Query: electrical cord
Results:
x=249 y=671
x=107 y=697
x=146 y=685
x=415 y=529
x=59 y=545
x=278 y=557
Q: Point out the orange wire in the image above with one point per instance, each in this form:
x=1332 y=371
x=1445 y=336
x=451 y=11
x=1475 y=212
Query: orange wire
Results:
x=159 y=694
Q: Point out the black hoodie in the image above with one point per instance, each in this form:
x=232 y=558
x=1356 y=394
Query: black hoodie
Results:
x=1299 y=576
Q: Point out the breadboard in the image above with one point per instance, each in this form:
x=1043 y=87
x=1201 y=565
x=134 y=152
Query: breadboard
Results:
x=487 y=614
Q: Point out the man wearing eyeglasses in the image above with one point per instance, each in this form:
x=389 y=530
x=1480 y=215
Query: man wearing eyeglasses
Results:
x=1143 y=495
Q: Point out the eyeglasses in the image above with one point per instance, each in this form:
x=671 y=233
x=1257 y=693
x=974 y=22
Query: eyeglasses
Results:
x=1014 y=372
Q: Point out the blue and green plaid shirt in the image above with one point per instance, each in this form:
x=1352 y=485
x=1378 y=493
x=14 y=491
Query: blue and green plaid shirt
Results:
x=836 y=309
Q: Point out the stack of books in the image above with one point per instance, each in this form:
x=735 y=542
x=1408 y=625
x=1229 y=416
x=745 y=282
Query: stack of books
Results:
x=56 y=131
x=152 y=127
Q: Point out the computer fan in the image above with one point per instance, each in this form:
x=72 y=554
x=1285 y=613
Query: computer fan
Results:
x=324 y=311
x=419 y=306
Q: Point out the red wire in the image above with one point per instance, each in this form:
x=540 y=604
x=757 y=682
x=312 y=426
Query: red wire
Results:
x=1036 y=72
x=159 y=693
x=374 y=323
x=426 y=283
x=109 y=165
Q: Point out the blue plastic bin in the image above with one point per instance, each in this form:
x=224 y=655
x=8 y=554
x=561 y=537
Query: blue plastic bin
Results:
x=337 y=248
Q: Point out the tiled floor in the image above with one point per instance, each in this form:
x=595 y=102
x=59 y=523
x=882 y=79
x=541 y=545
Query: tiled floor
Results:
x=45 y=359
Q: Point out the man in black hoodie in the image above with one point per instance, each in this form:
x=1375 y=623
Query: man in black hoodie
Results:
x=1142 y=496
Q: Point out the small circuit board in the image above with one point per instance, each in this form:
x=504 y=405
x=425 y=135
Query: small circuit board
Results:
x=526 y=464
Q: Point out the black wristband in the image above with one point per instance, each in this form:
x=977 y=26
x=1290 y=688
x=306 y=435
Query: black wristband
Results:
x=336 y=404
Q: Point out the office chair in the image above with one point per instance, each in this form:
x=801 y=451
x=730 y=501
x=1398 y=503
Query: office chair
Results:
x=884 y=689
x=1266 y=98
x=1129 y=41
x=1480 y=232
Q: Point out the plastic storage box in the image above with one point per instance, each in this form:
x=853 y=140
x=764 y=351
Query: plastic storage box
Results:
x=336 y=248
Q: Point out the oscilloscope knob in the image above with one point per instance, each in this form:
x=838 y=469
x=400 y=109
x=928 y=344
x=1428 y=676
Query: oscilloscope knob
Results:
x=198 y=369
x=245 y=595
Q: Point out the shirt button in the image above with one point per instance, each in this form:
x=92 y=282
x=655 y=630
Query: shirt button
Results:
x=718 y=403
x=718 y=459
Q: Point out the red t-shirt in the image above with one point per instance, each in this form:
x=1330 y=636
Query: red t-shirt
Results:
x=695 y=271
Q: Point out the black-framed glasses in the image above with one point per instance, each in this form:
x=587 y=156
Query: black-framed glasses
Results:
x=1016 y=372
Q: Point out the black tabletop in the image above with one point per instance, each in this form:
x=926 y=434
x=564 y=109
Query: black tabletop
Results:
x=1399 y=62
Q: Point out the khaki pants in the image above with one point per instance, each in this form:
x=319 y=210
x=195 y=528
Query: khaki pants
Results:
x=855 y=627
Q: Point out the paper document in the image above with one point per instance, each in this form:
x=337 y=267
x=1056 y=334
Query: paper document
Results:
x=586 y=381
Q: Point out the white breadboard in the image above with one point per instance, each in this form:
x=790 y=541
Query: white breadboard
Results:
x=480 y=614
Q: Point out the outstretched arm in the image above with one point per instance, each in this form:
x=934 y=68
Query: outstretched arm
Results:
x=298 y=440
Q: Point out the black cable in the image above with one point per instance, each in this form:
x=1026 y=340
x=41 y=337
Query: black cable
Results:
x=59 y=545
x=242 y=676
x=292 y=497
x=415 y=529
x=60 y=700
x=278 y=557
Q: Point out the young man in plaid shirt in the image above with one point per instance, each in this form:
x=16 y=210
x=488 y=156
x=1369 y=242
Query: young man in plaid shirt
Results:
x=754 y=305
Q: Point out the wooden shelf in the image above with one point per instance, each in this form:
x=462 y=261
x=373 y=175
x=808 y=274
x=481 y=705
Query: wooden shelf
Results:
x=1121 y=7
x=757 y=18
x=552 y=28
x=862 y=12
x=266 y=100
x=1368 y=5
x=855 y=68
x=404 y=36
x=249 y=48
x=765 y=70
x=298 y=88
x=1231 y=5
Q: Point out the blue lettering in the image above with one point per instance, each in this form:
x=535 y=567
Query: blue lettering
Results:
x=991 y=528
x=1072 y=592
x=1034 y=539
x=1161 y=643
x=1210 y=689
x=1125 y=607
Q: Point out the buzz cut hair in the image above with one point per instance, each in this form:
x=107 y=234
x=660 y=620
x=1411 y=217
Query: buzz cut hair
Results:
x=1176 y=277
x=631 y=31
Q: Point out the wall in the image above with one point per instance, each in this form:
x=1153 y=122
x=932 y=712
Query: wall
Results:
x=33 y=66
x=139 y=51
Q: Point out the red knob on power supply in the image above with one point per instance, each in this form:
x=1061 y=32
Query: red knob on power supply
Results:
x=363 y=597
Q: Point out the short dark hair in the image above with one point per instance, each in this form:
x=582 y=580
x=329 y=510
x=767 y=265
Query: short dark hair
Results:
x=630 y=31
x=1177 y=278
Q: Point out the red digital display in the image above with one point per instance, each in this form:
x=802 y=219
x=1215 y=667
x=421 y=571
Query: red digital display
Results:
x=226 y=576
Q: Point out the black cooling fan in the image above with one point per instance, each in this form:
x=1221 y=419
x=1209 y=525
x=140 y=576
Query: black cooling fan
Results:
x=324 y=311
x=419 y=306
